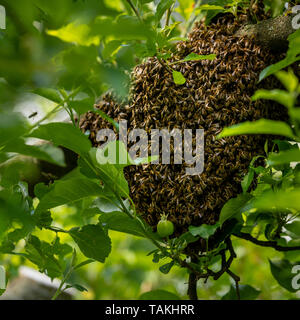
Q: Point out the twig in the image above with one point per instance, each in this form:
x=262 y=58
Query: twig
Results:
x=168 y=16
x=270 y=244
x=237 y=280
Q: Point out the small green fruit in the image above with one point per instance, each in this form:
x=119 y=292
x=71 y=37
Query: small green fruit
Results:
x=165 y=227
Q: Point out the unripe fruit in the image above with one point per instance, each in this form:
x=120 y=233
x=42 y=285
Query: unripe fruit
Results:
x=165 y=227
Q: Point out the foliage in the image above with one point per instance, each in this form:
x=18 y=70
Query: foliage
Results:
x=70 y=57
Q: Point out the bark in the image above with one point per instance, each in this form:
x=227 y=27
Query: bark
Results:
x=272 y=33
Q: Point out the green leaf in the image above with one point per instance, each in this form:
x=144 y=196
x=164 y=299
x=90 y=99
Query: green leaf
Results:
x=93 y=242
x=165 y=269
x=77 y=287
x=159 y=295
x=12 y=126
x=111 y=48
x=107 y=118
x=246 y=182
x=204 y=231
x=246 y=293
x=13 y=207
x=63 y=134
x=86 y=262
x=162 y=7
x=196 y=57
x=82 y=106
x=42 y=219
x=291 y=56
x=288 y=79
x=294 y=227
x=282 y=272
x=284 y=157
x=48 y=93
x=75 y=33
x=234 y=207
x=262 y=126
x=283 y=97
x=123 y=28
x=210 y=7
x=45 y=152
x=178 y=77
x=119 y=221
x=69 y=191
x=40 y=253
x=280 y=200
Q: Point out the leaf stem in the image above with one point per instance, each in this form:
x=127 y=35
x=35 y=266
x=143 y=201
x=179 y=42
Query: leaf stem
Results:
x=134 y=9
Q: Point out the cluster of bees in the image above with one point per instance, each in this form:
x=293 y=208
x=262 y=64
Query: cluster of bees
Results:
x=217 y=94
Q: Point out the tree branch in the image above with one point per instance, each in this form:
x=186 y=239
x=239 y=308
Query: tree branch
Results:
x=270 y=244
x=192 y=289
x=272 y=33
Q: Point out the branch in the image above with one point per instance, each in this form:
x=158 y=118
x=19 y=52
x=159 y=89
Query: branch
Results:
x=272 y=33
x=270 y=244
x=192 y=289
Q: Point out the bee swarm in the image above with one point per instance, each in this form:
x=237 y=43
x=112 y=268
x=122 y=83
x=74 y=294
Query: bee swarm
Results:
x=217 y=94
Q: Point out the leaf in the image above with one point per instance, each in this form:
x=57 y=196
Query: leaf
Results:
x=42 y=219
x=63 y=134
x=196 y=57
x=159 y=295
x=282 y=272
x=93 y=242
x=69 y=191
x=45 y=152
x=13 y=206
x=123 y=28
x=246 y=293
x=40 y=253
x=111 y=48
x=246 y=182
x=288 y=79
x=12 y=126
x=165 y=269
x=210 y=7
x=119 y=221
x=84 y=263
x=178 y=77
x=294 y=227
x=291 y=56
x=77 y=286
x=48 y=93
x=204 y=231
x=162 y=7
x=262 y=126
x=75 y=33
x=82 y=106
x=280 y=200
x=284 y=157
x=234 y=207
x=107 y=118
x=283 y=97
